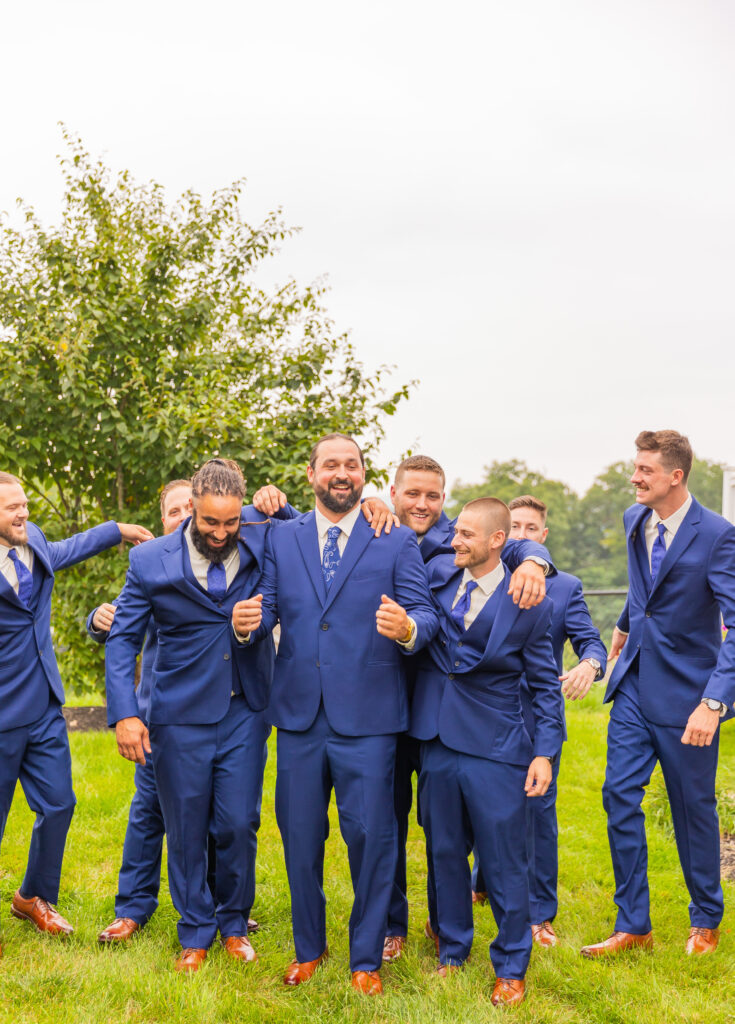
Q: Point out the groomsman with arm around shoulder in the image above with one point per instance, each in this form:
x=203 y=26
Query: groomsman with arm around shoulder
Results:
x=34 y=747
x=673 y=682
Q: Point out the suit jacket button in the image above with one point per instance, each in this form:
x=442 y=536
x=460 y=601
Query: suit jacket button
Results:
x=227 y=657
x=456 y=664
x=451 y=675
x=317 y=665
x=648 y=615
x=325 y=625
x=460 y=644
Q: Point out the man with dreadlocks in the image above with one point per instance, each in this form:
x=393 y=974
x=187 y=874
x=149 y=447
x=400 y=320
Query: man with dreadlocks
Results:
x=208 y=691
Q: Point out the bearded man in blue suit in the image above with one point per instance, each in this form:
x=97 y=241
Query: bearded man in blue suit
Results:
x=478 y=765
x=672 y=684
x=34 y=747
x=207 y=696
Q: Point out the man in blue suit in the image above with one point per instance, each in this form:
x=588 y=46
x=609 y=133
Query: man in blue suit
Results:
x=207 y=696
x=418 y=495
x=673 y=682
x=570 y=620
x=467 y=713
x=343 y=597
x=34 y=747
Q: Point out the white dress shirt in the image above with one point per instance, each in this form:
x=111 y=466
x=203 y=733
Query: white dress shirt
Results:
x=7 y=567
x=200 y=563
x=672 y=524
x=486 y=587
x=345 y=524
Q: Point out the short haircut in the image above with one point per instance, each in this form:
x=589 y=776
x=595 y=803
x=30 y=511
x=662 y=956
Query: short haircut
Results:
x=420 y=464
x=8 y=478
x=171 y=486
x=494 y=511
x=528 y=501
x=676 y=452
x=221 y=477
x=334 y=437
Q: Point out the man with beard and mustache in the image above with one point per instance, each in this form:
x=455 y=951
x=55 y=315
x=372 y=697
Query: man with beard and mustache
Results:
x=207 y=696
x=346 y=600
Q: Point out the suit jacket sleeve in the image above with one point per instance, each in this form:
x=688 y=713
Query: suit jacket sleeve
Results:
x=623 y=623
x=81 y=546
x=721 y=578
x=543 y=682
x=98 y=635
x=268 y=587
x=516 y=551
x=124 y=642
x=412 y=593
x=581 y=630
x=286 y=513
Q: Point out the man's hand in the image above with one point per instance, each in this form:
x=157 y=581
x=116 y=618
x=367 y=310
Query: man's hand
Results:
x=392 y=621
x=135 y=534
x=618 y=642
x=379 y=515
x=247 y=615
x=132 y=739
x=577 y=681
x=527 y=585
x=102 y=618
x=538 y=779
x=701 y=727
x=268 y=500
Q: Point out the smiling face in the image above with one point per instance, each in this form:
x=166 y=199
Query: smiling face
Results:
x=337 y=476
x=656 y=486
x=215 y=525
x=176 y=508
x=527 y=524
x=13 y=515
x=476 y=547
x=418 y=498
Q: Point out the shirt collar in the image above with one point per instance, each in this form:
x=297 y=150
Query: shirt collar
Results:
x=345 y=524
x=675 y=520
x=5 y=552
x=487 y=583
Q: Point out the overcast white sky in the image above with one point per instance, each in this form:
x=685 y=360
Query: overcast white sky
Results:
x=529 y=205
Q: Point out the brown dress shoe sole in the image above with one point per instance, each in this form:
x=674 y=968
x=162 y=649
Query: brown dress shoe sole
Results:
x=44 y=931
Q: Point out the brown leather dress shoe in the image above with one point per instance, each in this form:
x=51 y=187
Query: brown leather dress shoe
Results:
x=543 y=934
x=43 y=915
x=299 y=971
x=190 y=960
x=239 y=947
x=253 y=925
x=393 y=946
x=445 y=969
x=508 y=992
x=121 y=929
x=367 y=982
x=479 y=898
x=616 y=943
x=703 y=940
x=431 y=934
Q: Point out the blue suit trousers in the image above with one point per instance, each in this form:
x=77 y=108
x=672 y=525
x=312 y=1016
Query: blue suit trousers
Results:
x=455 y=810
x=361 y=771
x=211 y=775
x=634 y=745
x=140 y=872
x=38 y=755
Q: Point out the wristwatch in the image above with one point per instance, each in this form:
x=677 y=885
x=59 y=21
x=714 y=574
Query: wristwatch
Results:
x=595 y=665
x=714 y=705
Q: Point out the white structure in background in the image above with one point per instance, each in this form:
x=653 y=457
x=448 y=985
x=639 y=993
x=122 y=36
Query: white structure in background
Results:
x=728 y=493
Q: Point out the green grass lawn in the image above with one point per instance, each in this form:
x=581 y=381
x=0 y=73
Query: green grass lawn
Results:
x=47 y=980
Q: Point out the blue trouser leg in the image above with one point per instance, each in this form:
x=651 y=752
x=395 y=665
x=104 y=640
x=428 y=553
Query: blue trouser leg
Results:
x=361 y=771
x=140 y=872
x=478 y=879
x=206 y=771
x=407 y=762
x=543 y=851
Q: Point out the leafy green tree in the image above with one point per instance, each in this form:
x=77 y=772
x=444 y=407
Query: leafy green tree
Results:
x=136 y=341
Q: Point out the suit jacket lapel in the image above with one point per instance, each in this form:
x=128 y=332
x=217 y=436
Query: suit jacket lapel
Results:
x=173 y=564
x=506 y=614
x=308 y=542
x=359 y=539
x=684 y=537
x=637 y=547
x=7 y=592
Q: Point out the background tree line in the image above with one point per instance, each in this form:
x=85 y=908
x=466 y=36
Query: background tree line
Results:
x=586 y=533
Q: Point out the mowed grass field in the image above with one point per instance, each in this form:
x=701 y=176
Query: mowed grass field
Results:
x=47 y=980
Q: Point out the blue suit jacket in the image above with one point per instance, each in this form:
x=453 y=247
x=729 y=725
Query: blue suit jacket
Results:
x=468 y=690
x=147 y=659
x=330 y=648
x=197 y=652
x=674 y=626
x=29 y=668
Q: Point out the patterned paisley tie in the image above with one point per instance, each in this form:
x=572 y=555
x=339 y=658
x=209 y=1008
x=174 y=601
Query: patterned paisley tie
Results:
x=331 y=556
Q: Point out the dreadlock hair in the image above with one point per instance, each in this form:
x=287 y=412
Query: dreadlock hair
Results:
x=221 y=477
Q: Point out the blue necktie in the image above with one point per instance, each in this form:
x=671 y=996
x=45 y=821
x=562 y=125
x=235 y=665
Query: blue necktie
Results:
x=331 y=556
x=25 y=577
x=216 y=580
x=463 y=605
x=657 y=552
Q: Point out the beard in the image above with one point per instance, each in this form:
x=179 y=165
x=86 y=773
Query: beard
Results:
x=15 y=535
x=338 y=501
x=212 y=554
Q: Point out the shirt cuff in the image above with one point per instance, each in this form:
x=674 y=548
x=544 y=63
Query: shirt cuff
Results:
x=411 y=642
x=539 y=561
x=242 y=638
